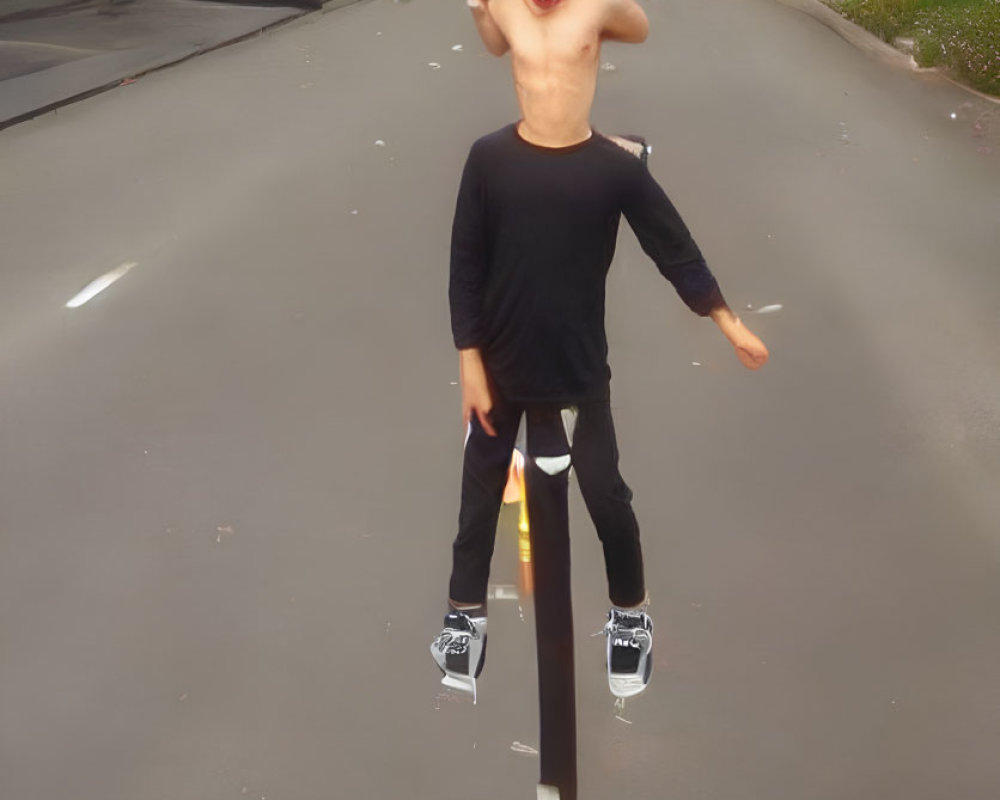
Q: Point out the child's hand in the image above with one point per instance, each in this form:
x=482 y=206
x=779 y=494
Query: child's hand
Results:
x=750 y=350
x=476 y=397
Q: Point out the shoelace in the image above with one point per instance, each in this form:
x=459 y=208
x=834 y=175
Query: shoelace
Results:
x=639 y=635
x=453 y=645
x=620 y=621
x=455 y=642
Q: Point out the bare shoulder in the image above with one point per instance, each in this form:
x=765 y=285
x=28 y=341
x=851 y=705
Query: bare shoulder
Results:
x=506 y=10
x=512 y=17
x=624 y=20
x=621 y=6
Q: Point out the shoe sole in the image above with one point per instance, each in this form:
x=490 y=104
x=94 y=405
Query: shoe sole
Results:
x=460 y=681
x=625 y=685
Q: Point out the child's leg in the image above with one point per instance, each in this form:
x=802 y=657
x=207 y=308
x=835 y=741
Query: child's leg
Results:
x=629 y=630
x=460 y=649
x=484 y=476
x=609 y=501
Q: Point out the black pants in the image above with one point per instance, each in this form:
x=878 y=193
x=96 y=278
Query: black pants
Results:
x=593 y=453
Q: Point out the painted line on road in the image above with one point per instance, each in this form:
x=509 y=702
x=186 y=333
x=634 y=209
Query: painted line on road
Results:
x=98 y=285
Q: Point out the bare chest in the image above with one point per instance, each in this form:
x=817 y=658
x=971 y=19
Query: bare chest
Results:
x=567 y=35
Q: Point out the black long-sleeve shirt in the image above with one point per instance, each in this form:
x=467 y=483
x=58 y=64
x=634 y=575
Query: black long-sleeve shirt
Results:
x=533 y=238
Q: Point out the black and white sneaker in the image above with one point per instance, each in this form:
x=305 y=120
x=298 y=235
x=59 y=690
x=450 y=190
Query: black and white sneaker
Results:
x=460 y=651
x=630 y=651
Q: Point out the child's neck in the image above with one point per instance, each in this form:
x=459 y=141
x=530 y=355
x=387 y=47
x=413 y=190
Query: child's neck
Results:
x=549 y=138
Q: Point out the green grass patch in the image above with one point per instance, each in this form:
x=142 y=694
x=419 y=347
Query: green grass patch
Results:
x=963 y=36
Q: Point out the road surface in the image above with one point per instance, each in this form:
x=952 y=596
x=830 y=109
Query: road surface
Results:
x=228 y=483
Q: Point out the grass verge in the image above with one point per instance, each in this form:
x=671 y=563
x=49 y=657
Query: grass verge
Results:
x=962 y=36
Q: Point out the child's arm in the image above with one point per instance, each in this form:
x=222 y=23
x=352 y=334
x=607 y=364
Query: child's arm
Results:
x=750 y=350
x=665 y=238
x=488 y=29
x=466 y=289
x=625 y=21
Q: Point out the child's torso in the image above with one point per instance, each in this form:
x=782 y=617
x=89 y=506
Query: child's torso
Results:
x=554 y=56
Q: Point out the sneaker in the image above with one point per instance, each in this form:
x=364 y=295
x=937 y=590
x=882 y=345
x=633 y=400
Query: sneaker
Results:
x=630 y=651
x=460 y=651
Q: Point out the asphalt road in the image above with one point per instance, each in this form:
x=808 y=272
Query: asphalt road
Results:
x=51 y=57
x=228 y=483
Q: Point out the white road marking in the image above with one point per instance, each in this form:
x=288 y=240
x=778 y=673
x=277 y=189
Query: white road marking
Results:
x=95 y=287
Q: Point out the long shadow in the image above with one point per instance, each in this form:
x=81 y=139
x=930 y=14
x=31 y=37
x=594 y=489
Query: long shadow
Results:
x=548 y=512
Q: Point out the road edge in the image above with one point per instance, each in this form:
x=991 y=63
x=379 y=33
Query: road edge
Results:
x=295 y=14
x=871 y=45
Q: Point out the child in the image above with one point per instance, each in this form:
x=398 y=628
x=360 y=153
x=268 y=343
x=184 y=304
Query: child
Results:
x=533 y=238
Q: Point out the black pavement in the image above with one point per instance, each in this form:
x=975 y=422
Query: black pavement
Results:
x=52 y=53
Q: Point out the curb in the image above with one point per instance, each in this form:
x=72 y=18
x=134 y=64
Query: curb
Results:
x=870 y=44
x=295 y=13
x=55 y=7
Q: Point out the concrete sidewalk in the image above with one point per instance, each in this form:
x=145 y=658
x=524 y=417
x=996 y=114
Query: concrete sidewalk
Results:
x=59 y=54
